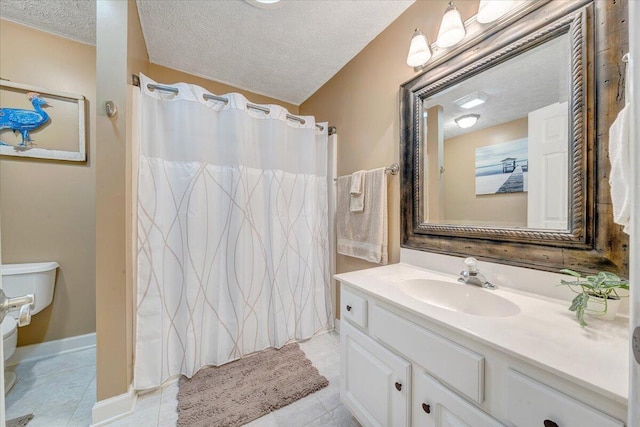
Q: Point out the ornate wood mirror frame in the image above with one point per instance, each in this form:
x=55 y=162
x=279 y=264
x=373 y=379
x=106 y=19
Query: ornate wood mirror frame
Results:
x=597 y=34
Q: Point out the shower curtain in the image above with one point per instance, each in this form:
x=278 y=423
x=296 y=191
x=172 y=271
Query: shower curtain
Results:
x=232 y=232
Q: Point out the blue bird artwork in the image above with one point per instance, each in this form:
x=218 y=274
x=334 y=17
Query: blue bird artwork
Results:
x=24 y=121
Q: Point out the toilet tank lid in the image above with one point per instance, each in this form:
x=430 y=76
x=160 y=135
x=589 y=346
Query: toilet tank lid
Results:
x=34 y=267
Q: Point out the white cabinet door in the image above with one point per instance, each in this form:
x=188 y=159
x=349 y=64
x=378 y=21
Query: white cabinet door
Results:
x=375 y=383
x=548 y=167
x=434 y=405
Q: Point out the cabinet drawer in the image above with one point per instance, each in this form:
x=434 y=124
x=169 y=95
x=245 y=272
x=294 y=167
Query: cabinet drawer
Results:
x=530 y=404
x=453 y=364
x=353 y=308
x=434 y=405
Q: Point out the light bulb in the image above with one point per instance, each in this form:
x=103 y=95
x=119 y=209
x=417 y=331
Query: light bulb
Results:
x=467 y=121
x=490 y=10
x=451 y=28
x=419 y=51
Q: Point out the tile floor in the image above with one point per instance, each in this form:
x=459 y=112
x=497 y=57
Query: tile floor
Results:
x=60 y=391
x=70 y=381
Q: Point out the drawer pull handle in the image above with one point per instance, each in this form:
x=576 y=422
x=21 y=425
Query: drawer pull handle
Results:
x=426 y=408
x=549 y=423
x=398 y=386
x=348 y=308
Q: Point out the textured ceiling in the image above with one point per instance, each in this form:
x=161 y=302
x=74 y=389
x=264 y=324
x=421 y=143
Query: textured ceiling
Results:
x=529 y=81
x=73 y=19
x=286 y=52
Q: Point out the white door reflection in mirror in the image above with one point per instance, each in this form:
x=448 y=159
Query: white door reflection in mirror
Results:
x=548 y=167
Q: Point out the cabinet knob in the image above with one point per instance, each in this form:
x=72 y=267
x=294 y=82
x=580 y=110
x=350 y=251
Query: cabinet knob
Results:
x=549 y=423
x=398 y=386
x=426 y=408
x=348 y=308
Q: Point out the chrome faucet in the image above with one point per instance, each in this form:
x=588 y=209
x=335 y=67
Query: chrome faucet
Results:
x=472 y=275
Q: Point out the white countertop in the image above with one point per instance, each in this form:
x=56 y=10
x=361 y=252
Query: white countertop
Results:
x=545 y=333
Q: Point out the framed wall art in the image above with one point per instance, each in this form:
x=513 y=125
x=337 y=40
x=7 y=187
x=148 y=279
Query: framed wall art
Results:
x=41 y=123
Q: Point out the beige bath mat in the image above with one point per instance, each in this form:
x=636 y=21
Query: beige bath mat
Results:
x=239 y=392
x=20 y=421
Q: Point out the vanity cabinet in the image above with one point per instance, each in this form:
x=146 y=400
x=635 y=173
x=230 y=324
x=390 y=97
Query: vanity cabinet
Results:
x=460 y=367
x=532 y=404
x=398 y=370
x=355 y=308
x=375 y=383
x=436 y=406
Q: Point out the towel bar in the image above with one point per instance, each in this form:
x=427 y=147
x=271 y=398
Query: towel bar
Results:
x=393 y=170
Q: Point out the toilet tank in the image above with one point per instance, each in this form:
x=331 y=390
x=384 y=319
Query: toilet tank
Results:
x=37 y=278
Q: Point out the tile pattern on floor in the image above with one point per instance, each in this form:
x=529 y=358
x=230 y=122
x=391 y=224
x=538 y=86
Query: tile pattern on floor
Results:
x=60 y=391
x=320 y=409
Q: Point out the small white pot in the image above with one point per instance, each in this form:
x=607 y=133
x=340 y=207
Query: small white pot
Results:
x=596 y=306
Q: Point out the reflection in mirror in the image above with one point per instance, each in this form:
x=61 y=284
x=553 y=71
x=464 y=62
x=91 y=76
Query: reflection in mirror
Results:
x=496 y=145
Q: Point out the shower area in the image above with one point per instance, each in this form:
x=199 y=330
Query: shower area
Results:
x=233 y=206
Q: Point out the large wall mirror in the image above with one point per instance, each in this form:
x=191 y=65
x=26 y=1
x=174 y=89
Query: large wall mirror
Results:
x=500 y=148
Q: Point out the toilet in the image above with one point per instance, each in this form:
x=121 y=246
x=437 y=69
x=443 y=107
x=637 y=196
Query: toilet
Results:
x=21 y=279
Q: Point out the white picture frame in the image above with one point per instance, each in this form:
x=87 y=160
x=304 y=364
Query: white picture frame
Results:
x=45 y=153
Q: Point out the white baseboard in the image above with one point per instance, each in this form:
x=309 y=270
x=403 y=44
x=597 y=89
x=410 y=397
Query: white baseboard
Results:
x=109 y=410
x=51 y=348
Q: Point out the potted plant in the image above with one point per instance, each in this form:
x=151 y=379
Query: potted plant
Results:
x=597 y=295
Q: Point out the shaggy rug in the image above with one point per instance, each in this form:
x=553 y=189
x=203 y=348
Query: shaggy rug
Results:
x=20 y=421
x=239 y=392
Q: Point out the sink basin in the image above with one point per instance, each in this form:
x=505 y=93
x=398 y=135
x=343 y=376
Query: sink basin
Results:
x=459 y=297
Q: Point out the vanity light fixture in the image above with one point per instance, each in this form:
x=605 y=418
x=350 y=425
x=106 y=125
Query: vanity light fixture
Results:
x=467 y=120
x=451 y=28
x=419 y=51
x=490 y=10
x=472 y=100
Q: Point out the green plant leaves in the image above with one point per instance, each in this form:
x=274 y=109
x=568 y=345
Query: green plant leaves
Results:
x=579 y=301
x=570 y=272
x=603 y=285
x=578 y=305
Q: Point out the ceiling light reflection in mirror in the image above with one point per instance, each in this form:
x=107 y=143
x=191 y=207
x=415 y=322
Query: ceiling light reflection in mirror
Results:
x=467 y=120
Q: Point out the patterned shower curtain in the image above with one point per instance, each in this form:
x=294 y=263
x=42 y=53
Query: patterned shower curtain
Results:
x=232 y=232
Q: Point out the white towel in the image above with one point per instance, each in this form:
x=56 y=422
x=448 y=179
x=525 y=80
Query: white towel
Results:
x=364 y=234
x=357 y=182
x=356 y=198
x=620 y=176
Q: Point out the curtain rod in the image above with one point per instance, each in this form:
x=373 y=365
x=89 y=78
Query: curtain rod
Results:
x=208 y=97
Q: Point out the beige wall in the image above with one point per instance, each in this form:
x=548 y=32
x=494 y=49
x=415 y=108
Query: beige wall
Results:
x=362 y=100
x=460 y=201
x=48 y=207
x=433 y=179
x=169 y=75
